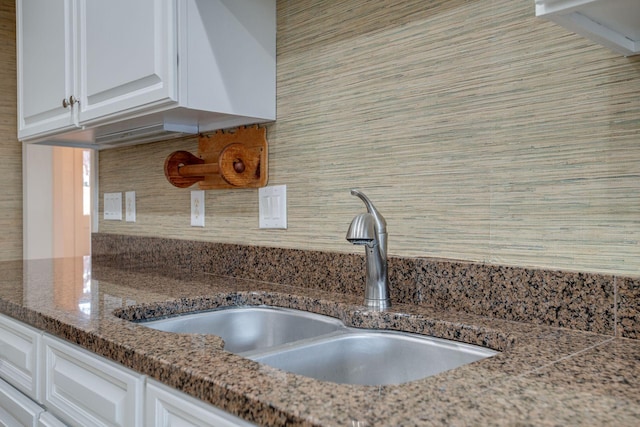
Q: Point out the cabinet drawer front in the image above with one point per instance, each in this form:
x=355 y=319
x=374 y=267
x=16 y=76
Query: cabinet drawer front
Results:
x=16 y=408
x=166 y=407
x=18 y=356
x=83 y=389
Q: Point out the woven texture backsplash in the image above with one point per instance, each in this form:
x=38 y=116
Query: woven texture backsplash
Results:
x=479 y=131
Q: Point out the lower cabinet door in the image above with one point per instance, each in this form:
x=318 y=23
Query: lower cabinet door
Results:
x=48 y=420
x=18 y=356
x=16 y=409
x=167 y=407
x=83 y=389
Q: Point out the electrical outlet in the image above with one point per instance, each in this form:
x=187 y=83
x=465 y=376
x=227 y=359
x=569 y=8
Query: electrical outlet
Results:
x=197 y=208
x=273 y=206
x=130 y=206
x=113 y=206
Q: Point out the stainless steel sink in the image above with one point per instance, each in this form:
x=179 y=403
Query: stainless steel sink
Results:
x=245 y=329
x=368 y=357
x=324 y=348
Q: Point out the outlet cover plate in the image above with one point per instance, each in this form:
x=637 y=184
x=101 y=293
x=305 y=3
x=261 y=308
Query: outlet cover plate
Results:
x=130 y=206
x=197 y=208
x=113 y=206
x=273 y=206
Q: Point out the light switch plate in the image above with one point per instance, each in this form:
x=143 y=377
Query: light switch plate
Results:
x=113 y=206
x=273 y=206
x=197 y=208
x=130 y=206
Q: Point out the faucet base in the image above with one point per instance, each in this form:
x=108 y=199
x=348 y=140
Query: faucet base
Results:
x=377 y=304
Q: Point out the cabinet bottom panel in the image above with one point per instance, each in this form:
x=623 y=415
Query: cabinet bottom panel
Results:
x=16 y=409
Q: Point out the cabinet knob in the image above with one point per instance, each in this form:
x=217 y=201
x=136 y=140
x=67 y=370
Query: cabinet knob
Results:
x=72 y=100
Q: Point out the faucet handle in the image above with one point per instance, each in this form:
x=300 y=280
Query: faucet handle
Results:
x=380 y=221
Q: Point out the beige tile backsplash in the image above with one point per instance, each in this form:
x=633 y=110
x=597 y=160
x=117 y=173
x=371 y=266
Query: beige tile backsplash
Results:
x=479 y=131
x=10 y=148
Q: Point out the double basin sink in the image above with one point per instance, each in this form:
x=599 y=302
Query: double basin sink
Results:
x=324 y=348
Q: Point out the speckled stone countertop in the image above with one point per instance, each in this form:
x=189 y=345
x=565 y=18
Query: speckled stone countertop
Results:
x=543 y=375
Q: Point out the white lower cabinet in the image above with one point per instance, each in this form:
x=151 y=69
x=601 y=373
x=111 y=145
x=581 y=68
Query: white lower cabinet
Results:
x=16 y=408
x=78 y=388
x=19 y=346
x=166 y=407
x=48 y=420
x=84 y=390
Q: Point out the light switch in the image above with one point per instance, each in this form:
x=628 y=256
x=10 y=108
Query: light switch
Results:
x=130 y=206
x=273 y=206
x=197 y=208
x=113 y=206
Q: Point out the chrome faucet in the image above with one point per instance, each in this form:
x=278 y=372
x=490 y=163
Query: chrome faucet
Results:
x=370 y=229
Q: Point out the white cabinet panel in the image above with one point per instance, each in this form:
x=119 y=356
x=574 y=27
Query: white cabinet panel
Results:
x=166 y=407
x=127 y=60
x=17 y=409
x=45 y=66
x=18 y=356
x=48 y=420
x=83 y=390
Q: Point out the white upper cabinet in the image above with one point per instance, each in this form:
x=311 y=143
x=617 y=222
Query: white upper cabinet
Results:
x=106 y=73
x=611 y=23
x=127 y=56
x=45 y=66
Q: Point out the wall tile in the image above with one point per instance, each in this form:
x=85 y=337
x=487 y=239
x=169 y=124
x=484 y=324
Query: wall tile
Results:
x=481 y=132
x=10 y=147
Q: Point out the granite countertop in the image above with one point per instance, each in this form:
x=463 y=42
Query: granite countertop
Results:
x=543 y=375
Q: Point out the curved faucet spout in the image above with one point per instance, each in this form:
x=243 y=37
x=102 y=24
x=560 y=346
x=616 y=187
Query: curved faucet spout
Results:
x=381 y=223
x=370 y=229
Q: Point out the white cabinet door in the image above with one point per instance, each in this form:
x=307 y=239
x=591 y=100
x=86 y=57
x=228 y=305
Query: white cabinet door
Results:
x=45 y=54
x=19 y=356
x=167 y=407
x=48 y=420
x=84 y=390
x=16 y=409
x=128 y=56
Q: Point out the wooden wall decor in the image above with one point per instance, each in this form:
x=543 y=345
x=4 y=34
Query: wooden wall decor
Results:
x=226 y=159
